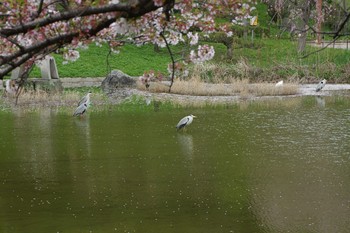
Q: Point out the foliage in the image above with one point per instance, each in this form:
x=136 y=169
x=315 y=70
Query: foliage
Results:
x=264 y=59
x=33 y=29
x=287 y=15
x=257 y=59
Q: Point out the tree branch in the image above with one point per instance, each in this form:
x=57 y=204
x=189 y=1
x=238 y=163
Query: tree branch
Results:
x=172 y=60
x=131 y=9
x=40 y=8
x=126 y=10
x=50 y=44
x=342 y=25
x=319 y=50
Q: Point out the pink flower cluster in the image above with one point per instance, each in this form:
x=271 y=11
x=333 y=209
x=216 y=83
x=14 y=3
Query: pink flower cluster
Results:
x=204 y=53
x=151 y=76
x=71 y=55
x=78 y=31
x=180 y=70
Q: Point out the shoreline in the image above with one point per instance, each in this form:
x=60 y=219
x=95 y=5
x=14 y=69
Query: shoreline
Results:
x=304 y=90
x=47 y=100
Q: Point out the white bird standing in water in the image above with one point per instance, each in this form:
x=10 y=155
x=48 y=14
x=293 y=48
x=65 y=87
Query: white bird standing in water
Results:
x=187 y=120
x=321 y=85
x=83 y=105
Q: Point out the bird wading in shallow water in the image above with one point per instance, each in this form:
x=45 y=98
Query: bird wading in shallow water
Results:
x=85 y=99
x=187 y=120
x=321 y=85
x=80 y=110
x=83 y=105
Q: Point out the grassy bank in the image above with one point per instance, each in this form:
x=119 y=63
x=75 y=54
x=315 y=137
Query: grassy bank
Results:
x=98 y=62
x=185 y=93
x=260 y=60
x=272 y=59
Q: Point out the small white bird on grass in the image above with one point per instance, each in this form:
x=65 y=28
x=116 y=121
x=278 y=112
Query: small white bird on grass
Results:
x=11 y=87
x=83 y=105
x=187 y=120
x=321 y=85
x=279 y=84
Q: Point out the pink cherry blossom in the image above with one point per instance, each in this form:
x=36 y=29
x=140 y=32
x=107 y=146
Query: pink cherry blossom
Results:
x=30 y=30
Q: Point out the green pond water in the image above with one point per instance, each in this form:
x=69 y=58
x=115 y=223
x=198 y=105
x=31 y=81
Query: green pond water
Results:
x=278 y=165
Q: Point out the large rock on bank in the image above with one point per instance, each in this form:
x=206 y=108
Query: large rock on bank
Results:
x=117 y=80
x=119 y=86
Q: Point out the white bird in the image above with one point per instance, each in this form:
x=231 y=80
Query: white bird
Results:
x=11 y=87
x=280 y=83
x=321 y=85
x=187 y=120
x=83 y=105
x=148 y=101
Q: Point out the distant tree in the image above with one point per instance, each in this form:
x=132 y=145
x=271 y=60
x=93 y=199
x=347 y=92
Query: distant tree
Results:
x=301 y=16
x=305 y=8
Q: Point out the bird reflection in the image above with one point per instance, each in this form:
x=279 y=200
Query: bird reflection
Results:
x=321 y=102
x=148 y=101
x=186 y=144
x=83 y=131
x=44 y=150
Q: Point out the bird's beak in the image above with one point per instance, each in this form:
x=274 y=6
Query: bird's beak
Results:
x=194 y=116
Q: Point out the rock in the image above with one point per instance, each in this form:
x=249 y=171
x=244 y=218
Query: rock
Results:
x=82 y=82
x=48 y=85
x=117 y=81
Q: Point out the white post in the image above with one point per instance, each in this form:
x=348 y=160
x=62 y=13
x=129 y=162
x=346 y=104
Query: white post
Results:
x=17 y=72
x=48 y=68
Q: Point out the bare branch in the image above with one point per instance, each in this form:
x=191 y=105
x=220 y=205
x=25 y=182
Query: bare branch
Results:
x=319 y=50
x=40 y=8
x=342 y=25
x=172 y=60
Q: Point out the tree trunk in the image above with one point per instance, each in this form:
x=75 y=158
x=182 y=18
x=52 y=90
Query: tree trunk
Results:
x=301 y=42
x=319 y=21
x=305 y=16
x=156 y=48
x=229 y=52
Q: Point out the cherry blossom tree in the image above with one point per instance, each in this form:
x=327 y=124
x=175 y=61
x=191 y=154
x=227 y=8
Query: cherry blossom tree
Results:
x=31 y=29
x=303 y=16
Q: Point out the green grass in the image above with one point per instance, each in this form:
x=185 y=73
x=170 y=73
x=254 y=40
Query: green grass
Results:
x=97 y=62
x=279 y=51
x=133 y=60
x=275 y=56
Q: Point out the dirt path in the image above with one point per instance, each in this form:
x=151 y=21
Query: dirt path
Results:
x=304 y=90
x=81 y=82
x=334 y=45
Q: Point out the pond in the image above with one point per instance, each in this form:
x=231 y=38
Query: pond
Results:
x=278 y=165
